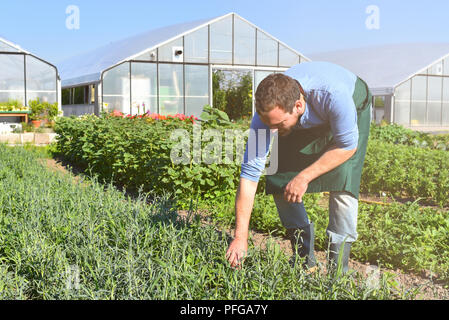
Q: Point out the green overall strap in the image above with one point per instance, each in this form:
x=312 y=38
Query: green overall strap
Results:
x=302 y=148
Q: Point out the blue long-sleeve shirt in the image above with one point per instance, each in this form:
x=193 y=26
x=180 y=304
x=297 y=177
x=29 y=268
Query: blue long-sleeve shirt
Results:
x=329 y=89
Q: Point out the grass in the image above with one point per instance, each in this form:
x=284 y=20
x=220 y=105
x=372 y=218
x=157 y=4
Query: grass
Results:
x=61 y=239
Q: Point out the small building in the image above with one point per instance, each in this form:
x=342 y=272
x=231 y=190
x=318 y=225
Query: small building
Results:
x=25 y=77
x=169 y=70
x=409 y=82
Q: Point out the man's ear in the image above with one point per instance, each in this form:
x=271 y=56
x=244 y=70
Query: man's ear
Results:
x=299 y=105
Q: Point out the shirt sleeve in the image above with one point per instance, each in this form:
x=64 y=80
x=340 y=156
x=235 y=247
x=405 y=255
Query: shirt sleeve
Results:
x=343 y=120
x=257 y=149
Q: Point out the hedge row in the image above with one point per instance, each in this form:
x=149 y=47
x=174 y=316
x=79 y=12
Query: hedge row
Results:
x=397 y=134
x=137 y=154
x=405 y=171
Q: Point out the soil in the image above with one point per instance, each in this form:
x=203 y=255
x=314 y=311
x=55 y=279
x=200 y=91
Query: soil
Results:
x=429 y=287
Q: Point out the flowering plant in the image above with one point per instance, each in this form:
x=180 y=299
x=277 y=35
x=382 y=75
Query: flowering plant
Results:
x=149 y=116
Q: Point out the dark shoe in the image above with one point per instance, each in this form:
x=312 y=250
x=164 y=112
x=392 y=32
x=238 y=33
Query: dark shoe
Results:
x=302 y=241
x=339 y=257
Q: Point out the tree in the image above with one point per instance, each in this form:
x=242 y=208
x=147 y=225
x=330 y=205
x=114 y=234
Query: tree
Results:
x=233 y=93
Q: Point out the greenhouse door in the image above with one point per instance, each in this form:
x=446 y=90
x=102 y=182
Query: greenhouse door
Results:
x=232 y=89
x=232 y=92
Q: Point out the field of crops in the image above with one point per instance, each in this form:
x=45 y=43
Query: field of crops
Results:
x=61 y=239
x=88 y=240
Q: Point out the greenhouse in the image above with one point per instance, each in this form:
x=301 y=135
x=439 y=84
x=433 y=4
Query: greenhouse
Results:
x=171 y=70
x=410 y=82
x=24 y=77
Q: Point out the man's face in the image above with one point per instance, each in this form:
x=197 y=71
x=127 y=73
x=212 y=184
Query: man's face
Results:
x=281 y=121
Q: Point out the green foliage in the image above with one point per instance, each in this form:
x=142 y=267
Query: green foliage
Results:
x=65 y=240
x=12 y=105
x=404 y=171
x=43 y=110
x=404 y=236
x=400 y=236
x=379 y=102
x=233 y=96
x=397 y=134
x=213 y=115
x=137 y=153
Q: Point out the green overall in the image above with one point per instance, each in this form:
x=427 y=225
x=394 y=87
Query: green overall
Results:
x=302 y=148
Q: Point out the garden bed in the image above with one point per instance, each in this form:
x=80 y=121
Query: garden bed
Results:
x=60 y=240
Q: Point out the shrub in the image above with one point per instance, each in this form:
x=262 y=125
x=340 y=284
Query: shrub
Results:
x=136 y=153
x=405 y=171
x=397 y=134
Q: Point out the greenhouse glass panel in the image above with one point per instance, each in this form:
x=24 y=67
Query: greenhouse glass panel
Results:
x=434 y=100
x=402 y=104
x=116 y=89
x=40 y=80
x=171 y=93
x=445 y=113
x=12 y=82
x=6 y=47
x=287 y=58
x=169 y=51
x=148 y=56
x=244 y=43
x=196 y=46
x=197 y=89
x=436 y=68
x=267 y=50
x=221 y=41
x=446 y=67
x=419 y=99
x=143 y=87
x=259 y=76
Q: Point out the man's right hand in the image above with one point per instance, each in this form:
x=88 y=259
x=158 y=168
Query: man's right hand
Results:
x=237 y=252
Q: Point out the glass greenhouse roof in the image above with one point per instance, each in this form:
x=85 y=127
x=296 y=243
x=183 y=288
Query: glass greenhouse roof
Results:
x=88 y=67
x=385 y=67
x=6 y=46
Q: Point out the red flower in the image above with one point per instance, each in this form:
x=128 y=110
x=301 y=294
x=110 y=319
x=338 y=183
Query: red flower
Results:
x=117 y=113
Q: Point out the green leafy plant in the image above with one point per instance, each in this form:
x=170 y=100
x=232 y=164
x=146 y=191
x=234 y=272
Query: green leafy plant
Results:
x=60 y=239
x=213 y=115
x=136 y=153
x=12 y=105
x=41 y=110
x=405 y=171
x=397 y=134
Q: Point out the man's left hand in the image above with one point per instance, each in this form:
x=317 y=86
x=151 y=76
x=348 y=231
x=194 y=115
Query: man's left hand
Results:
x=295 y=189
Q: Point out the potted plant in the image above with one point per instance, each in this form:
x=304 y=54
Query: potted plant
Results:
x=51 y=112
x=37 y=111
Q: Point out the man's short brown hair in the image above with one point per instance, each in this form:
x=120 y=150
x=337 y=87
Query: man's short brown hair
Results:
x=277 y=90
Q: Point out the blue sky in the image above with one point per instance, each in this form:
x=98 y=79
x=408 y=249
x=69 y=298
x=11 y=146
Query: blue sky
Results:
x=307 y=26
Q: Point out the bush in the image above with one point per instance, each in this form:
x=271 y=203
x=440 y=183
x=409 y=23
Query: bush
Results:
x=136 y=153
x=405 y=171
x=43 y=110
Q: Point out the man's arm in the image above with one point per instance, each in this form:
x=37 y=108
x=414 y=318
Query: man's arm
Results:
x=331 y=159
x=243 y=206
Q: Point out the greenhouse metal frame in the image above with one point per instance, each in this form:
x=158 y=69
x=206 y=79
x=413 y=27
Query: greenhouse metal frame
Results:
x=409 y=81
x=33 y=80
x=426 y=100
x=175 y=75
